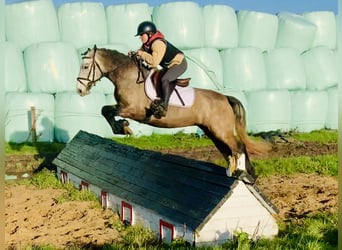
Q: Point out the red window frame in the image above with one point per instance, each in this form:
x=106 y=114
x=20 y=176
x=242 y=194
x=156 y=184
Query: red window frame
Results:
x=104 y=199
x=64 y=177
x=84 y=185
x=164 y=224
x=129 y=207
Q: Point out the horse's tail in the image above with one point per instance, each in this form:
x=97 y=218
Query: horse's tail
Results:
x=253 y=147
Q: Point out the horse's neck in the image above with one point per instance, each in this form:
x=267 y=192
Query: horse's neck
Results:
x=124 y=77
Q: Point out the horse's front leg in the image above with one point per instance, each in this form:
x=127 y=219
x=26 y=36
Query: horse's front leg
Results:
x=120 y=126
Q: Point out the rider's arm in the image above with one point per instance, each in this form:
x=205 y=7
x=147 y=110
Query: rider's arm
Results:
x=158 y=51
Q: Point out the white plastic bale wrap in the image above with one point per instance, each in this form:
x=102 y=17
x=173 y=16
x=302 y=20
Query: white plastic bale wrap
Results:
x=268 y=110
x=294 y=31
x=139 y=129
x=31 y=22
x=18 y=122
x=309 y=110
x=51 y=67
x=332 y=114
x=74 y=113
x=105 y=86
x=325 y=22
x=82 y=23
x=15 y=78
x=123 y=20
x=285 y=69
x=182 y=23
x=321 y=66
x=221 y=28
x=204 y=68
x=257 y=29
x=243 y=69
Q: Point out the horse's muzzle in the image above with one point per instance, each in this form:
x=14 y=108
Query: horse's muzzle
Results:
x=80 y=92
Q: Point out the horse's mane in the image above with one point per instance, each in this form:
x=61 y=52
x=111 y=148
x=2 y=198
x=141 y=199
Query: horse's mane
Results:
x=117 y=57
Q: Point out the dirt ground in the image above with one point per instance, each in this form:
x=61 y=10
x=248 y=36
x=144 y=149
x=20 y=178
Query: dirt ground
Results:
x=33 y=217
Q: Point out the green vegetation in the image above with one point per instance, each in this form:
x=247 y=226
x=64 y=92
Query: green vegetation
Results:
x=157 y=142
x=33 y=148
x=323 y=136
x=324 y=165
x=47 y=179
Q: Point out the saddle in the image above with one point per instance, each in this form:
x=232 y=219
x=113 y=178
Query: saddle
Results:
x=156 y=81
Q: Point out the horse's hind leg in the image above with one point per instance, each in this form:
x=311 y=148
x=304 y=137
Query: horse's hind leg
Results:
x=118 y=127
x=231 y=149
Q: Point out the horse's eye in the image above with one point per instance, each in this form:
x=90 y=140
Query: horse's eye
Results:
x=85 y=66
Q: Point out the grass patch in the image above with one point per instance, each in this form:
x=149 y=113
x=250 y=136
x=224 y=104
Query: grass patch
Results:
x=33 y=148
x=323 y=164
x=322 y=136
x=47 y=179
x=157 y=142
x=318 y=231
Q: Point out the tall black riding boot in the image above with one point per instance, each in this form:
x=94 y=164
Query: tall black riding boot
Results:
x=167 y=89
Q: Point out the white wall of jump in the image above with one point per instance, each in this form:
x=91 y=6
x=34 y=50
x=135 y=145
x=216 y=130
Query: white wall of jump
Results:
x=282 y=66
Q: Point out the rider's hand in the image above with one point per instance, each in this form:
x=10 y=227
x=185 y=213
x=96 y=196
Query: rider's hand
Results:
x=131 y=53
x=139 y=53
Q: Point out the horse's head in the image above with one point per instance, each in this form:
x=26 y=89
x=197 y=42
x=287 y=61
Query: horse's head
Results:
x=90 y=72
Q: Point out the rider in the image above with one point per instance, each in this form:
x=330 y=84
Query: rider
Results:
x=156 y=50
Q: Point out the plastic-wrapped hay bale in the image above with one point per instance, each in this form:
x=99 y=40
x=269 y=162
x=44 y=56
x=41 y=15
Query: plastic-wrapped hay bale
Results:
x=332 y=114
x=51 y=67
x=105 y=86
x=268 y=110
x=221 y=28
x=139 y=129
x=295 y=31
x=243 y=69
x=285 y=69
x=122 y=22
x=309 y=110
x=82 y=23
x=257 y=29
x=74 y=113
x=321 y=68
x=31 y=22
x=204 y=68
x=182 y=23
x=15 y=78
x=18 y=123
x=325 y=22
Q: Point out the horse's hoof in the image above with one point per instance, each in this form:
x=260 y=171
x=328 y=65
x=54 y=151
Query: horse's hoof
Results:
x=244 y=176
x=159 y=114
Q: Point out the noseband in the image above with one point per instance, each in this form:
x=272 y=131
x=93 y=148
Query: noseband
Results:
x=90 y=80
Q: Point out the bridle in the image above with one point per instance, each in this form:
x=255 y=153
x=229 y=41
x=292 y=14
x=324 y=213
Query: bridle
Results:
x=90 y=80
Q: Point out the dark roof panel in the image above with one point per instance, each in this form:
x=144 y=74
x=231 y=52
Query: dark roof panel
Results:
x=183 y=189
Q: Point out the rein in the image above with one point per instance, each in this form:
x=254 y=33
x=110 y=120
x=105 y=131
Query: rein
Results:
x=140 y=66
x=88 y=82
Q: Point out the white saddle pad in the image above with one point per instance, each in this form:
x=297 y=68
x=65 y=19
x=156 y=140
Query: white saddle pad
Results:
x=187 y=93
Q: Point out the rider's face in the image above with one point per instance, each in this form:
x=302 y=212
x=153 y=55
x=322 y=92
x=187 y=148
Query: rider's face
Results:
x=144 y=38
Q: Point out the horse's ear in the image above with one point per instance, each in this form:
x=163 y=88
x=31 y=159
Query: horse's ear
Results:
x=95 y=47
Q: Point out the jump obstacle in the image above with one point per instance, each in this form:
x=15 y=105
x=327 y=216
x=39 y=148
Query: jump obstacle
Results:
x=174 y=196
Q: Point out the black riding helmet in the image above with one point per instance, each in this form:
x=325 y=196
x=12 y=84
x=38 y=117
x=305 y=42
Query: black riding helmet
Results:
x=145 y=27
